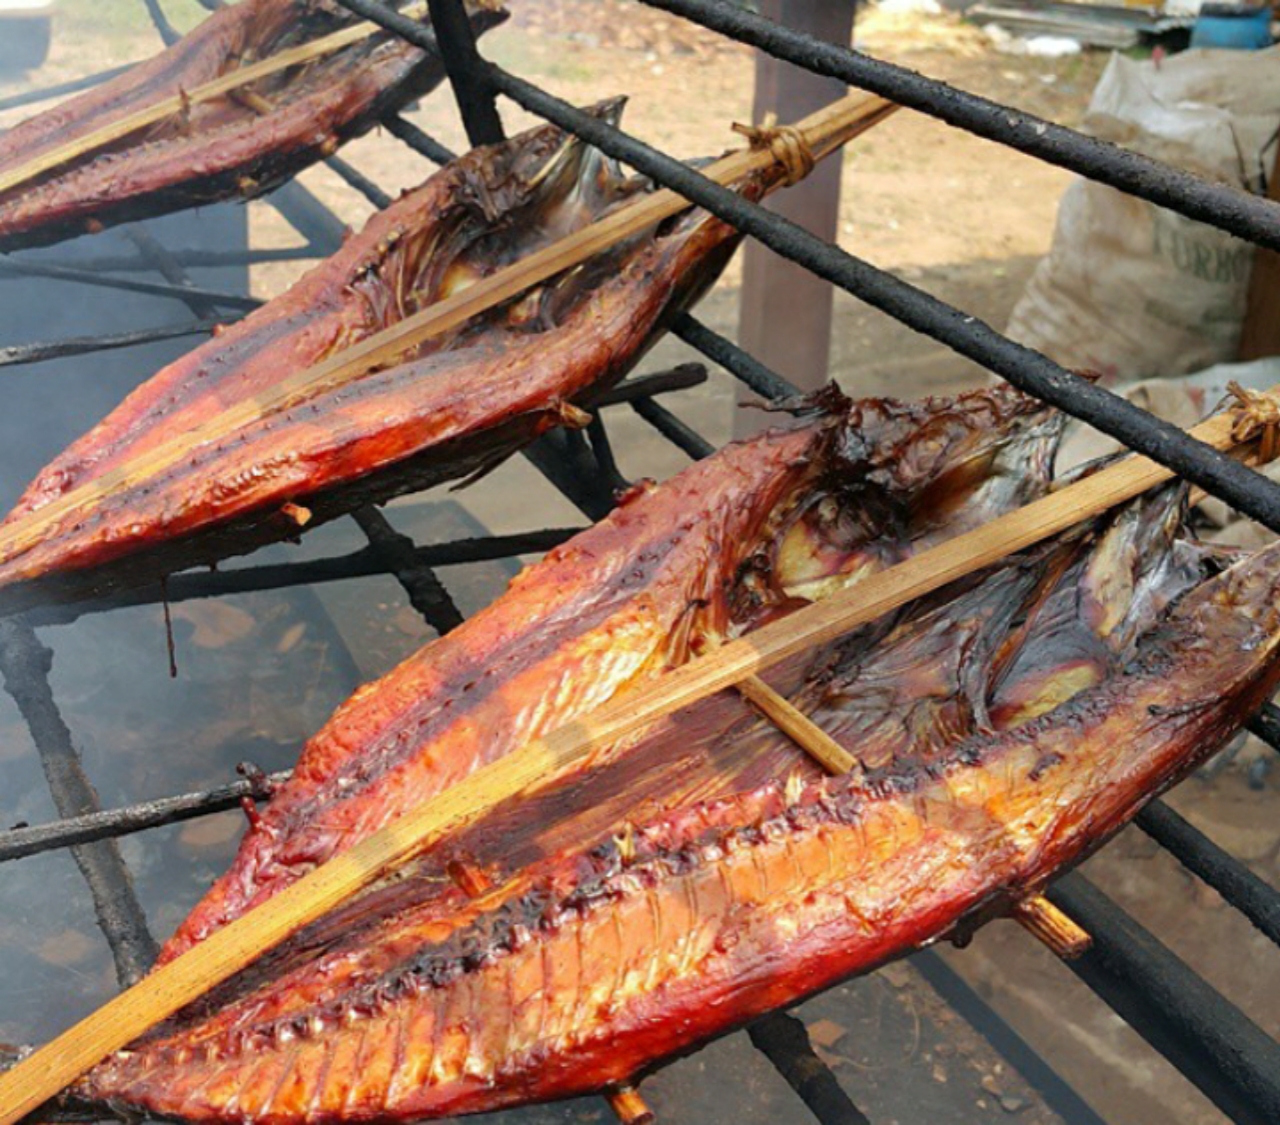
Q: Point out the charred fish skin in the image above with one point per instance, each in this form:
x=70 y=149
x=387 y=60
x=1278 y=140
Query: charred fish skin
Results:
x=614 y=606
x=618 y=957
x=234 y=147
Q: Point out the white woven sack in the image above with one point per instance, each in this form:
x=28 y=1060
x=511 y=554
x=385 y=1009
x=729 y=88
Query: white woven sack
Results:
x=1132 y=290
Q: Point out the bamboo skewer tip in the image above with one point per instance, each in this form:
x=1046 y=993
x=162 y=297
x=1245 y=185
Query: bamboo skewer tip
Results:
x=630 y=1107
x=1062 y=934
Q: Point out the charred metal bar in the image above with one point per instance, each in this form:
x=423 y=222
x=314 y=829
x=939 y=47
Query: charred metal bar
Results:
x=421 y=142
x=12 y=268
x=47 y=93
x=355 y=178
x=1227 y=208
x=450 y=36
x=1059 y=1096
x=426 y=592
x=1215 y=1045
x=131 y=263
x=1246 y=490
x=565 y=459
x=1266 y=725
x=19 y=354
x=784 y=1041
x=476 y=97
x=603 y=452
x=1253 y=897
x=164 y=28
x=24 y=666
x=359 y=564
x=111 y=823
x=741 y=364
x=159 y=258
x=674 y=430
x=678 y=378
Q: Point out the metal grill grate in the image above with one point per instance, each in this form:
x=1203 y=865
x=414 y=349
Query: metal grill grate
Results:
x=1212 y=1042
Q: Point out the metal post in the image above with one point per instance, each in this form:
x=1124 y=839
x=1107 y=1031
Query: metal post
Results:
x=785 y=314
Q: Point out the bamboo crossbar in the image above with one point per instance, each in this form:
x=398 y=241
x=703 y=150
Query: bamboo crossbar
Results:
x=797 y=726
x=1037 y=915
x=182 y=102
x=583 y=743
x=824 y=132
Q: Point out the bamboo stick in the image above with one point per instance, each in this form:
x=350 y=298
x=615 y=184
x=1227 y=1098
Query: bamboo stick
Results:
x=585 y=742
x=824 y=132
x=1037 y=915
x=629 y=1107
x=182 y=102
x=1061 y=933
x=797 y=726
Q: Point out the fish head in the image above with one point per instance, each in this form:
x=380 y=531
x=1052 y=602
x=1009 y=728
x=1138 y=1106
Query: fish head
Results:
x=511 y=200
x=899 y=477
x=547 y=171
x=1098 y=588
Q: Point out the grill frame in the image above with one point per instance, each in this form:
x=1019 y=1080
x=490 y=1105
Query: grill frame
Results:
x=1207 y=1038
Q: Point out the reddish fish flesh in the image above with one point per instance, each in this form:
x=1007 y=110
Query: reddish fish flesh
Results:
x=236 y=146
x=625 y=914
x=723 y=546
x=453 y=406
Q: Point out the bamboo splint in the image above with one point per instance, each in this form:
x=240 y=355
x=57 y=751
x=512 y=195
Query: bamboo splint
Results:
x=629 y=1107
x=181 y=103
x=1063 y=935
x=822 y=133
x=579 y=744
x=797 y=726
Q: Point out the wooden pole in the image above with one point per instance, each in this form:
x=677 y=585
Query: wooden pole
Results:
x=1260 y=333
x=587 y=741
x=785 y=311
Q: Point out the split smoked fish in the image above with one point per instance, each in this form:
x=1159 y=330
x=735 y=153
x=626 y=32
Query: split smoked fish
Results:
x=239 y=145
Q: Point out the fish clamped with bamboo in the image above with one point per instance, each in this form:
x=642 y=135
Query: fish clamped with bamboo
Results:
x=161 y=138
x=844 y=491
x=626 y=913
x=165 y=482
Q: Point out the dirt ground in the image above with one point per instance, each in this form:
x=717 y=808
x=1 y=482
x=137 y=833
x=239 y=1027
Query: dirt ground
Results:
x=960 y=217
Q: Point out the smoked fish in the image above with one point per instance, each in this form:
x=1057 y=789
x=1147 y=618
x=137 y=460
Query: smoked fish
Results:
x=239 y=145
x=120 y=507
x=860 y=485
x=706 y=873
